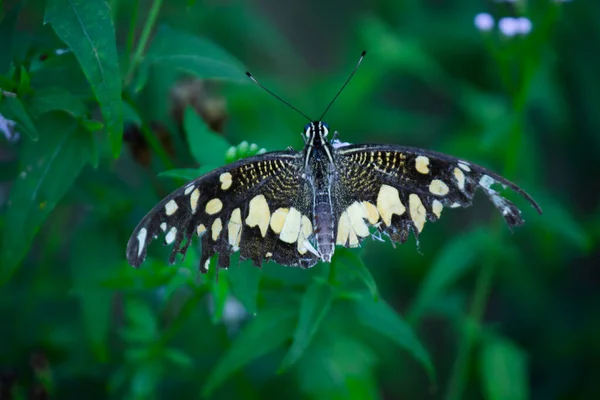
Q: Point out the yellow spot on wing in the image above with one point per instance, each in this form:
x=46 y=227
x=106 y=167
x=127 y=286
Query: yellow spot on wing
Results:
x=388 y=203
x=422 y=164
x=278 y=219
x=216 y=228
x=194 y=200
x=460 y=178
x=214 y=206
x=371 y=211
x=234 y=229
x=226 y=181
x=438 y=187
x=357 y=215
x=417 y=211
x=437 y=208
x=171 y=207
x=259 y=214
x=200 y=229
x=291 y=227
x=344 y=228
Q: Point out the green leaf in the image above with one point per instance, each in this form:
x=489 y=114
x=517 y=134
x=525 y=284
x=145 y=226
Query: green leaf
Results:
x=86 y=27
x=382 y=318
x=141 y=318
x=453 y=261
x=207 y=148
x=220 y=294
x=244 y=286
x=56 y=99
x=559 y=221
x=90 y=125
x=24 y=82
x=504 y=370
x=315 y=305
x=179 y=357
x=354 y=265
x=263 y=334
x=195 y=55
x=14 y=109
x=49 y=168
x=7 y=30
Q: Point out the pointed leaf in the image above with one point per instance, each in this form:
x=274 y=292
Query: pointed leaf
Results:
x=353 y=264
x=53 y=99
x=315 y=305
x=86 y=27
x=263 y=334
x=382 y=318
x=504 y=370
x=195 y=55
x=49 y=168
x=207 y=147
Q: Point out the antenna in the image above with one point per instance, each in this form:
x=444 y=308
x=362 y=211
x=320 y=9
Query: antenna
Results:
x=277 y=97
x=345 y=83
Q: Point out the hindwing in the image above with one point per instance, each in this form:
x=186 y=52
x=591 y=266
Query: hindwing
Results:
x=261 y=206
x=398 y=188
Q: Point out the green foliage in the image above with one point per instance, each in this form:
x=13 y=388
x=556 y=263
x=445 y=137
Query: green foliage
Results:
x=110 y=105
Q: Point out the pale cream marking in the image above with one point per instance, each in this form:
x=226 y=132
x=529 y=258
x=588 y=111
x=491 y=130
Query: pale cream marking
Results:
x=141 y=237
x=422 y=164
x=201 y=229
x=438 y=187
x=460 y=178
x=194 y=200
x=214 y=206
x=417 y=211
x=207 y=265
x=188 y=189
x=291 y=227
x=234 y=229
x=305 y=232
x=454 y=205
x=437 y=208
x=278 y=219
x=464 y=166
x=163 y=226
x=259 y=214
x=486 y=181
x=353 y=240
x=171 y=207
x=371 y=210
x=344 y=228
x=307 y=228
x=216 y=228
x=226 y=181
x=171 y=235
x=269 y=254
x=357 y=215
x=388 y=203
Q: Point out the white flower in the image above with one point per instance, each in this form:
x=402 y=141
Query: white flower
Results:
x=484 y=22
x=514 y=26
x=523 y=25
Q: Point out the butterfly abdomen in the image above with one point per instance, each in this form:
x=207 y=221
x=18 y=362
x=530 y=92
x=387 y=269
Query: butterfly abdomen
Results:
x=324 y=224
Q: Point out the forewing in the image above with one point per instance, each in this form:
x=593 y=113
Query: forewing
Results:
x=399 y=188
x=260 y=206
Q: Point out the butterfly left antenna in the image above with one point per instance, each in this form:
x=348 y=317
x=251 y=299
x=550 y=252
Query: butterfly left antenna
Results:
x=277 y=97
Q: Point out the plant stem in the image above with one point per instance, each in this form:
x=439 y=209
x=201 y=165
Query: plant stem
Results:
x=483 y=286
x=145 y=36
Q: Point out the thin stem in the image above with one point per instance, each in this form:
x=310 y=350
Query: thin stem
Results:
x=483 y=286
x=132 y=26
x=145 y=36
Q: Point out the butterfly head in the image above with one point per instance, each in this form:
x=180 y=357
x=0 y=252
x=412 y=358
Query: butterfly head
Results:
x=316 y=133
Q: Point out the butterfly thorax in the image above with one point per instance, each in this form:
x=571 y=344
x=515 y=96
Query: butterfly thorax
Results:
x=319 y=171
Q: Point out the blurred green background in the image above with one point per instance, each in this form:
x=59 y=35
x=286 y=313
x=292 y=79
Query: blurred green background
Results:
x=475 y=311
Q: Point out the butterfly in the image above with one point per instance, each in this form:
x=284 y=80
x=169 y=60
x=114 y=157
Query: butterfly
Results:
x=294 y=207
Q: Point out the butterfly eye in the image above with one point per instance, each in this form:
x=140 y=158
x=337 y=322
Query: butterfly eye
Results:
x=307 y=127
x=325 y=124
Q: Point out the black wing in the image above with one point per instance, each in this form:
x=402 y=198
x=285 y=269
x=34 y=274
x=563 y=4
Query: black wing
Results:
x=398 y=188
x=261 y=206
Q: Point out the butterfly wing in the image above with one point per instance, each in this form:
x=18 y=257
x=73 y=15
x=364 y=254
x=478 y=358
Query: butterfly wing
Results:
x=261 y=206
x=399 y=188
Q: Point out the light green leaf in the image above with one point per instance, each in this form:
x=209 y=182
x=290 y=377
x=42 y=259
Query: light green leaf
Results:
x=504 y=370
x=263 y=334
x=86 y=27
x=315 y=305
x=53 y=99
x=453 y=261
x=244 y=285
x=207 y=147
x=380 y=317
x=24 y=82
x=14 y=109
x=179 y=357
x=49 y=168
x=195 y=55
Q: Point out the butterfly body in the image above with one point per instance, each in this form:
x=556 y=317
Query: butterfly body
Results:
x=294 y=207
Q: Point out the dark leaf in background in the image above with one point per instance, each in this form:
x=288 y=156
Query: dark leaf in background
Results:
x=49 y=168
x=504 y=370
x=14 y=109
x=86 y=27
x=7 y=28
